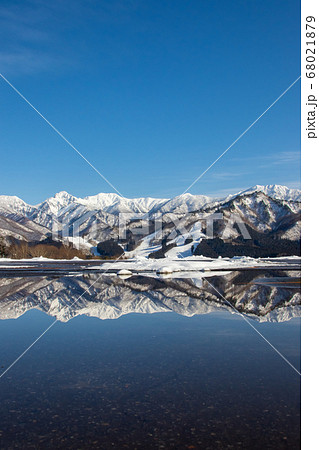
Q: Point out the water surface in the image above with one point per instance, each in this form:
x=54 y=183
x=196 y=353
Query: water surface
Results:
x=169 y=366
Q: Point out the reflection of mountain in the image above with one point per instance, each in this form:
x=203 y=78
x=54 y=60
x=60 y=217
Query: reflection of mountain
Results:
x=112 y=297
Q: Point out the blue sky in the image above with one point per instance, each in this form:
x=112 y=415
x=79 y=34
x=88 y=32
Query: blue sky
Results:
x=151 y=92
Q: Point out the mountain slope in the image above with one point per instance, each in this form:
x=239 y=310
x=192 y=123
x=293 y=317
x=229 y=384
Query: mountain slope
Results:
x=266 y=209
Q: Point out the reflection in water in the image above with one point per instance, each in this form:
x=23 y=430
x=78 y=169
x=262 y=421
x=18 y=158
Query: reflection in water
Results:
x=190 y=380
x=264 y=296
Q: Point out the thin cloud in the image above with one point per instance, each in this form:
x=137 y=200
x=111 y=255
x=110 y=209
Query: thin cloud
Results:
x=27 y=33
x=35 y=34
x=26 y=61
x=273 y=158
x=286 y=157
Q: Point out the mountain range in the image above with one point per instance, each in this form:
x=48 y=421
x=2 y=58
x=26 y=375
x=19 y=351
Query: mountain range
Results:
x=273 y=210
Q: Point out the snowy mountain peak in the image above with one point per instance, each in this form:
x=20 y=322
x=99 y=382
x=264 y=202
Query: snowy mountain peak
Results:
x=101 y=200
x=276 y=191
x=11 y=199
x=58 y=202
x=13 y=204
x=63 y=195
x=184 y=203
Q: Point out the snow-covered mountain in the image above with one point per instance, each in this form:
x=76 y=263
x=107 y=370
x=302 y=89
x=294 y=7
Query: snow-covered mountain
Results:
x=272 y=208
x=276 y=192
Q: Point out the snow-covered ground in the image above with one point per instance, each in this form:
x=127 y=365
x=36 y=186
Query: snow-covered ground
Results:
x=172 y=265
x=197 y=266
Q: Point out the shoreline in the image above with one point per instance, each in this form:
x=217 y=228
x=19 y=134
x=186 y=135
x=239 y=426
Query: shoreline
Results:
x=130 y=267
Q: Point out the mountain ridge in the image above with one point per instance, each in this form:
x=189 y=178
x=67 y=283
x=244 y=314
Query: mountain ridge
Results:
x=267 y=209
x=63 y=198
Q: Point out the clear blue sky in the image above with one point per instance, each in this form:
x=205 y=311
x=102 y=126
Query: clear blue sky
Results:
x=151 y=92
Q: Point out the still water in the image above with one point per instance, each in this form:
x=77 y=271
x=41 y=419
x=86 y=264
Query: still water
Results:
x=150 y=363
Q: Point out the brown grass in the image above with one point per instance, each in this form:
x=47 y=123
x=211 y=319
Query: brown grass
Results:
x=23 y=250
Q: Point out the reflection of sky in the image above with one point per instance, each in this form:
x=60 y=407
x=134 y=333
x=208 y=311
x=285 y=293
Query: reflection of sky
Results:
x=202 y=368
x=146 y=331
